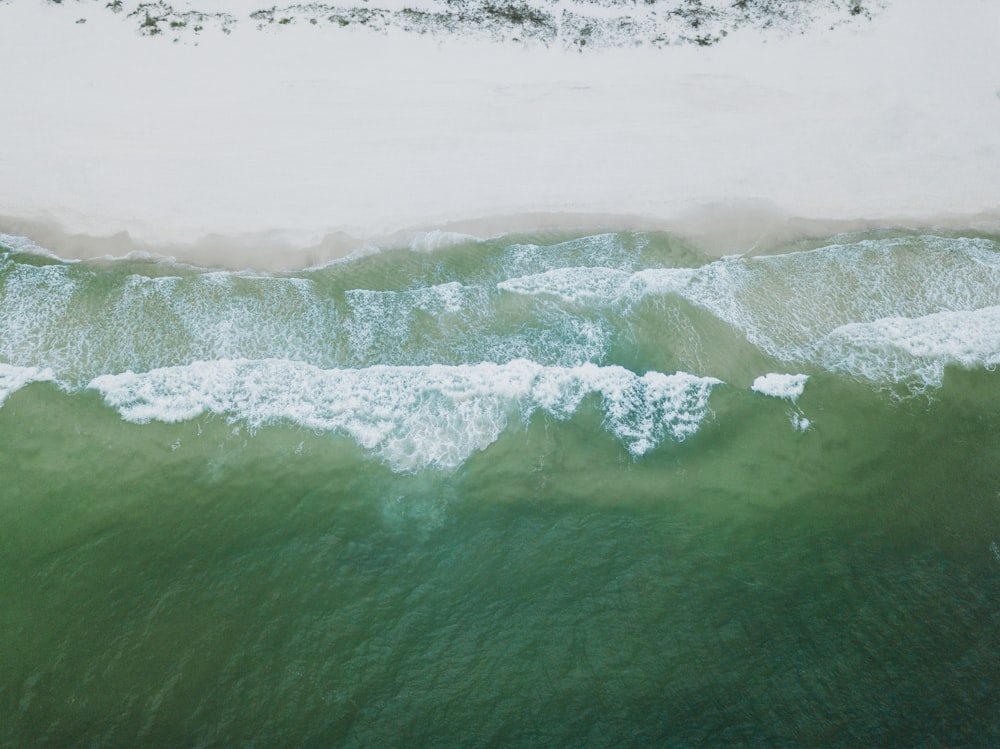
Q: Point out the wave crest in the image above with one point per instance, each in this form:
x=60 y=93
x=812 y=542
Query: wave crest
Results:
x=415 y=416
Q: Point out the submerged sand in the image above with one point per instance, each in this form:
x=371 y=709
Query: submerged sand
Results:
x=258 y=149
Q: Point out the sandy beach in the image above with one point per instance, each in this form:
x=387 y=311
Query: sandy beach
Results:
x=271 y=149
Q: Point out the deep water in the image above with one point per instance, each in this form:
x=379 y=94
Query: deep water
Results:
x=525 y=492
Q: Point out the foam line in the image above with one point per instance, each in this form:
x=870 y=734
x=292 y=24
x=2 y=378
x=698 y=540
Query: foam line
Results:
x=839 y=307
x=13 y=378
x=788 y=386
x=901 y=347
x=414 y=417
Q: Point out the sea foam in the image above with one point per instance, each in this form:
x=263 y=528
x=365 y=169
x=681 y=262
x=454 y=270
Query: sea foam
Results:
x=777 y=385
x=901 y=347
x=83 y=321
x=893 y=311
x=839 y=307
x=15 y=378
x=786 y=386
x=414 y=417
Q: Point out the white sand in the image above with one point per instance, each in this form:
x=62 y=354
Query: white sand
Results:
x=280 y=149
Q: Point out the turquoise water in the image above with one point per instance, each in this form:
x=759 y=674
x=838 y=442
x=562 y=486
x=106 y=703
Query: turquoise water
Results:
x=535 y=491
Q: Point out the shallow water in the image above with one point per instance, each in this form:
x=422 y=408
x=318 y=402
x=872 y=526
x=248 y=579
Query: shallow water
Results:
x=520 y=492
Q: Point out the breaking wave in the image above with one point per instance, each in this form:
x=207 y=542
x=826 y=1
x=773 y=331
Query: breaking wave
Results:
x=415 y=417
x=423 y=358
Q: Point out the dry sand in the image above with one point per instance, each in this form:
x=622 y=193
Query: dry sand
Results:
x=271 y=150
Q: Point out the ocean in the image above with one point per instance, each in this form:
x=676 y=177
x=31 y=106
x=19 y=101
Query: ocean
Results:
x=545 y=490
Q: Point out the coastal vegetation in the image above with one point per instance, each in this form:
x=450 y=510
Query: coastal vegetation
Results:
x=579 y=24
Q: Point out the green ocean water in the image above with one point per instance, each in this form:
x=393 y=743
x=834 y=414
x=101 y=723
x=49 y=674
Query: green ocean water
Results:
x=533 y=491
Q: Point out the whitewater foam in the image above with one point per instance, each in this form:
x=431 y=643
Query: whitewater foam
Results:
x=414 y=417
x=903 y=347
x=84 y=321
x=600 y=286
x=609 y=250
x=837 y=307
x=437 y=239
x=891 y=311
x=777 y=385
x=788 y=387
x=19 y=243
x=13 y=379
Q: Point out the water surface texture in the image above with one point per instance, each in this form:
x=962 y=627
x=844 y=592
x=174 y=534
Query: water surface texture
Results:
x=532 y=491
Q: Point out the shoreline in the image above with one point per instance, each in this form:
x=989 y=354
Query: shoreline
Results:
x=218 y=156
x=715 y=231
